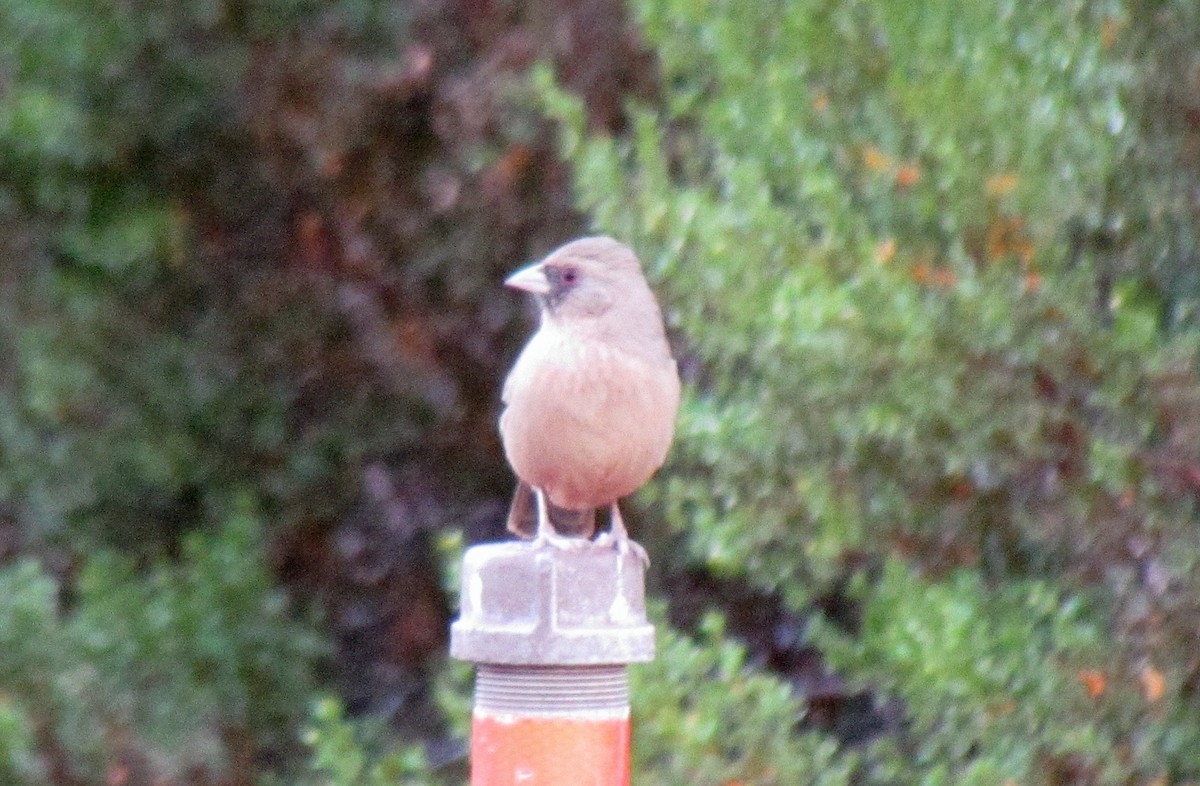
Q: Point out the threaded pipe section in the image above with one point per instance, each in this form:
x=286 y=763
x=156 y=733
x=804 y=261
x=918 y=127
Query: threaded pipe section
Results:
x=552 y=690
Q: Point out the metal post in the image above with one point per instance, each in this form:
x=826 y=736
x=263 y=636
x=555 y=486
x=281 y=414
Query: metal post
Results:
x=552 y=631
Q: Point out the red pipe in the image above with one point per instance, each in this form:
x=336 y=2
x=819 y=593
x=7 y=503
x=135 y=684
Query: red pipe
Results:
x=539 y=726
x=551 y=632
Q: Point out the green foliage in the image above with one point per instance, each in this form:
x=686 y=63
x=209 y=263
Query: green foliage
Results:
x=895 y=241
x=999 y=682
x=144 y=382
x=220 y=273
x=932 y=269
x=19 y=760
x=851 y=385
x=1151 y=237
x=191 y=667
x=341 y=756
x=986 y=675
x=702 y=715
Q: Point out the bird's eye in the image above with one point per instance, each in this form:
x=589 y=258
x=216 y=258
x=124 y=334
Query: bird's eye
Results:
x=563 y=278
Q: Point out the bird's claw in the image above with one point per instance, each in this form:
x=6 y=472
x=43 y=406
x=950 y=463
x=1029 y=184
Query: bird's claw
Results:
x=546 y=534
x=564 y=542
x=624 y=545
x=617 y=537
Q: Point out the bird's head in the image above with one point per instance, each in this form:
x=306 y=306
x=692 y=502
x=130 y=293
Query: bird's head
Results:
x=585 y=279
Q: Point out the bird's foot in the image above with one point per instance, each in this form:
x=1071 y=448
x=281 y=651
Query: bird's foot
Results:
x=624 y=545
x=546 y=535
x=618 y=537
x=564 y=542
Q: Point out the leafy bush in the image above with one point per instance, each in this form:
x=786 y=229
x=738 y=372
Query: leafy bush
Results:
x=245 y=250
x=343 y=756
x=892 y=238
x=685 y=733
x=185 y=671
x=185 y=313
x=978 y=668
x=931 y=266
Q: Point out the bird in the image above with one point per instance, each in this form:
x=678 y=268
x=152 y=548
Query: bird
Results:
x=590 y=403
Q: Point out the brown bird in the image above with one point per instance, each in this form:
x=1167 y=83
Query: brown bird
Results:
x=590 y=404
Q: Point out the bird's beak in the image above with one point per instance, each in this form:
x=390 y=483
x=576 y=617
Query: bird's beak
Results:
x=531 y=279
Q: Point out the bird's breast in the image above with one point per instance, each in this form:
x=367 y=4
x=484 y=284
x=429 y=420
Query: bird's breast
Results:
x=586 y=422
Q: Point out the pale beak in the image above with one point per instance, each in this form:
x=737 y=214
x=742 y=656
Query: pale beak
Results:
x=530 y=279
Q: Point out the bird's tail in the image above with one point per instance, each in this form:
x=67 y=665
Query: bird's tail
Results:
x=522 y=516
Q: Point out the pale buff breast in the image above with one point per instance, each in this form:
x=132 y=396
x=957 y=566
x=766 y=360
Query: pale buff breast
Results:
x=586 y=423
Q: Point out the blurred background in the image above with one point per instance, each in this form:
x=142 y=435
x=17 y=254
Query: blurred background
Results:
x=931 y=272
